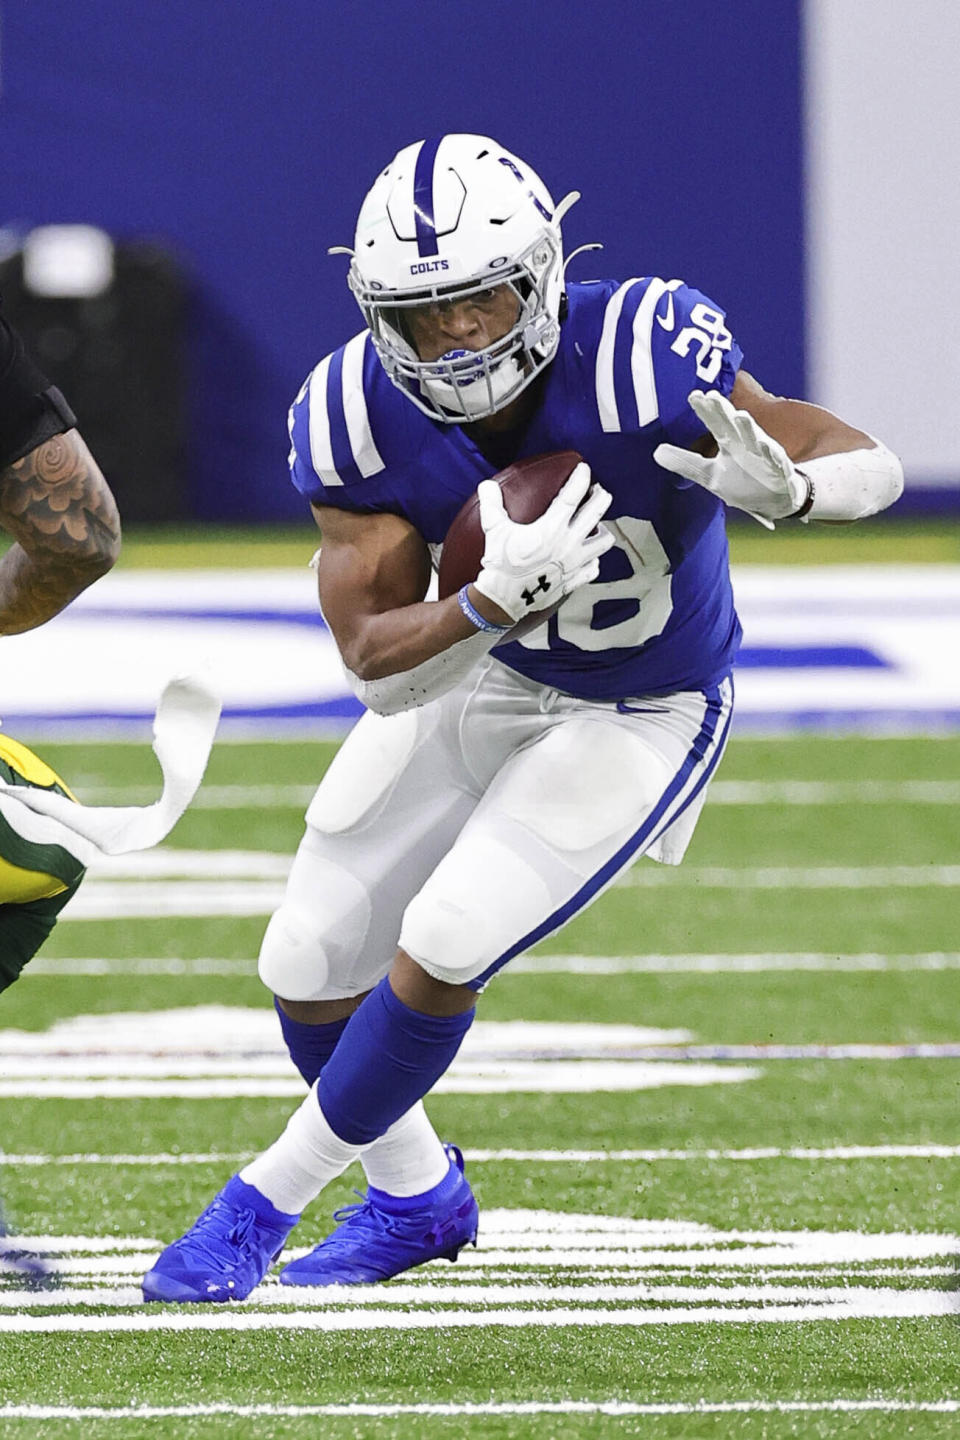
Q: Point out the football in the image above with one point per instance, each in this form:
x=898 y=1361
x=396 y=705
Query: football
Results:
x=528 y=488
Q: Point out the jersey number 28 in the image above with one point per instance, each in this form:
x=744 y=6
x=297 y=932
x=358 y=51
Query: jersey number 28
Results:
x=711 y=337
x=647 y=586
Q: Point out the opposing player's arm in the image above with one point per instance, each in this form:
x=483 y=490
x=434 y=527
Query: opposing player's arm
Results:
x=58 y=508
x=779 y=458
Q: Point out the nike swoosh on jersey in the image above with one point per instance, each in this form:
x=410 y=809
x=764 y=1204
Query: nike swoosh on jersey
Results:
x=667 y=322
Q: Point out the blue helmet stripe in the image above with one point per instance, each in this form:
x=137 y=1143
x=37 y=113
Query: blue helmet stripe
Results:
x=423 y=199
x=504 y=160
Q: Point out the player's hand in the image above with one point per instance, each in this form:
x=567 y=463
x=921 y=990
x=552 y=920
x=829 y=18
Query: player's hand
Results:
x=751 y=470
x=527 y=568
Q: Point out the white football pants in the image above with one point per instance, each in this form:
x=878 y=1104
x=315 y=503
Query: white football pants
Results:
x=471 y=828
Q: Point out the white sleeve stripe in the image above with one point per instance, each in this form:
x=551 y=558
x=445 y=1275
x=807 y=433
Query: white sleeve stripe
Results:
x=291 y=420
x=321 y=449
x=365 y=452
x=606 y=395
x=641 y=354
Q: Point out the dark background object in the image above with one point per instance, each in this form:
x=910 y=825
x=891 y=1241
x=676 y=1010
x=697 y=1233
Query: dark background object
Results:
x=119 y=357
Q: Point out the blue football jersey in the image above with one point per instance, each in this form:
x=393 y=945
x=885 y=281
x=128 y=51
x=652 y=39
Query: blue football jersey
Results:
x=660 y=616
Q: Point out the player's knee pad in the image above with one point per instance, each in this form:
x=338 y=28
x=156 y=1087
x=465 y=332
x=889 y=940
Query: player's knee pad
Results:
x=471 y=909
x=318 y=931
x=293 y=962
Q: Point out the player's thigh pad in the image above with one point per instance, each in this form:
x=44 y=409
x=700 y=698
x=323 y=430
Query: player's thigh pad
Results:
x=365 y=770
x=552 y=818
x=387 y=810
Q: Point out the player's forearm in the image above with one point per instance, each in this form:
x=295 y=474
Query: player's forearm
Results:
x=397 y=641
x=808 y=432
x=34 y=588
x=804 y=430
x=61 y=514
x=424 y=651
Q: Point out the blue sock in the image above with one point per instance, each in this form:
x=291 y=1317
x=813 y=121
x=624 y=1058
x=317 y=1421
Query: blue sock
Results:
x=310 y=1046
x=388 y=1058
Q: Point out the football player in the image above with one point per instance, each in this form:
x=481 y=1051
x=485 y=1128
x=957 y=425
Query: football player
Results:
x=496 y=785
x=57 y=506
x=59 y=509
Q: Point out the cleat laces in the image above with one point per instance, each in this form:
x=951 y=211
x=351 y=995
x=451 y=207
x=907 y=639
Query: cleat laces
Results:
x=208 y=1241
x=364 y=1215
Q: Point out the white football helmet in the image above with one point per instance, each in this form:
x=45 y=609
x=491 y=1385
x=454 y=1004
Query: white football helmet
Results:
x=447 y=219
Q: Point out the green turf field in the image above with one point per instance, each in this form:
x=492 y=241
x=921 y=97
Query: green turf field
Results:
x=768 y=1255
x=717 y=1167
x=880 y=541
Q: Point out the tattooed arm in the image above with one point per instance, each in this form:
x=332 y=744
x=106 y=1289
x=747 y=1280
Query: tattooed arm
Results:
x=62 y=516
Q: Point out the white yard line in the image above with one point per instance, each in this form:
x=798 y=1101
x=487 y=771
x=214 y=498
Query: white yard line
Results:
x=169 y=900
x=571 y=1233
x=633 y=1272
x=208 y=797
x=86 y=1244
x=548 y=1157
x=547 y=964
x=98 y=1285
x=843 y=1305
x=835 y=792
x=567 y=1241
x=795 y=877
x=481 y=1295
x=109 y=899
x=722 y=792
x=121 y=1081
x=614 y=1408
x=639 y=1067
x=765 y=1152
x=90 y=965
x=726 y=964
x=168 y=863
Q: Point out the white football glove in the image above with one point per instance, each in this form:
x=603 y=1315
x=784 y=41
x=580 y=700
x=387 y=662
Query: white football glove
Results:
x=751 y=471
x=526 y=568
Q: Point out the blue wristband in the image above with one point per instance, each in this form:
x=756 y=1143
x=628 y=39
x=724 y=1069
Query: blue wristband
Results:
x=476 y=618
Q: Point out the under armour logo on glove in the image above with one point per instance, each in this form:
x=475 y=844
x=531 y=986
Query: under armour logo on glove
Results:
x=529 y=596
x=531 y=567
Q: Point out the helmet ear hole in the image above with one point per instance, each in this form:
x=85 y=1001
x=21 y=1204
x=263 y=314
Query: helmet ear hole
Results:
x=424 y=234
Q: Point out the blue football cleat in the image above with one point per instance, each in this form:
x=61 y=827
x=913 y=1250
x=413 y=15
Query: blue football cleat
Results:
x=374 y=1243
x=226 y=1253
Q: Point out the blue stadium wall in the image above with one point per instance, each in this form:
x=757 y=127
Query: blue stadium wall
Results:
x=243 y=137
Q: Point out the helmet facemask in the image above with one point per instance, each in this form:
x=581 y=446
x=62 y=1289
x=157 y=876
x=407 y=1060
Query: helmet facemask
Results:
x=447 y=220
x=466 y=385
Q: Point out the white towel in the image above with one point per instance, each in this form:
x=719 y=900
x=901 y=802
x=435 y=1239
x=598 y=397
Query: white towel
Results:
x=183 y=730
